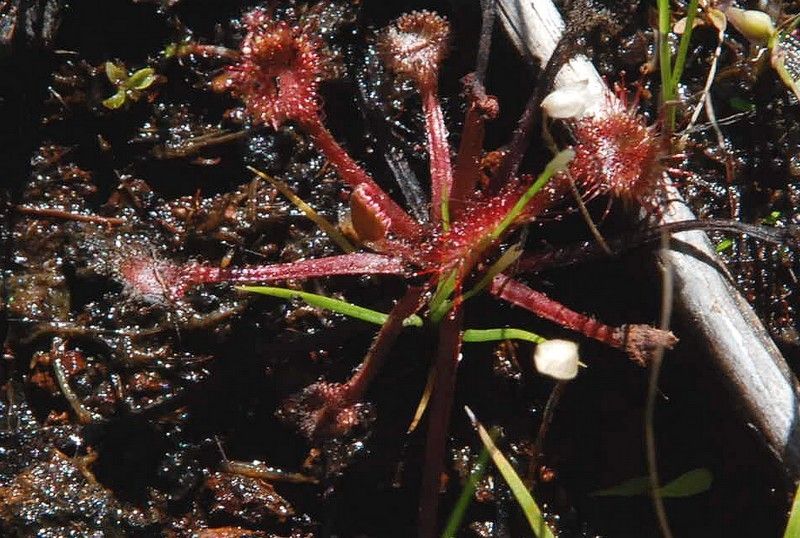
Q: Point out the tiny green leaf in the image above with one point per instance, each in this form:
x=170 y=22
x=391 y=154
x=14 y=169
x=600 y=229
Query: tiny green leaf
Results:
x=724 y=245
x=742 y=105
x=116 y=74
x=629 y=488
x=688 y=484
x=116 y=100
x=141 y=79
x=772 y=219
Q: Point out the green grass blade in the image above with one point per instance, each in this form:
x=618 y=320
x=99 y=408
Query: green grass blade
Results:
x=793 y=526
x=690 y=483
x=441 y=303
x=505 y=333
x=556 y=164
x=683 y=47
x=465 y=499
x=509 y=256
x=334 y=305
x=665 y=61
x=529 y=507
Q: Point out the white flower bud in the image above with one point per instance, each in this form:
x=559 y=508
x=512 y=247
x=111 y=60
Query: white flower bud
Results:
x=756 y=26
x=557 y=359
x=570 y=101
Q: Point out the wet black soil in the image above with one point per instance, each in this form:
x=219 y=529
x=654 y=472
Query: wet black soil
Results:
x=121 y=413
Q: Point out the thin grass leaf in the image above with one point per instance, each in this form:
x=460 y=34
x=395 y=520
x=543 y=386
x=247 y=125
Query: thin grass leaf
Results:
x=529 y=507
x=793 y=526
x=321 y=222
x=683 y=47
x=440 y=303
x=423 y=401
x=505 y=333
x=665 y=61
x=329 y=303
x=509 y=256
x=556 y=164
x=465 y=499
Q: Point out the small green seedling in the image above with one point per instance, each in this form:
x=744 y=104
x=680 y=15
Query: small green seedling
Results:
x=129 y=87
x=724 y=245
x=772 y=219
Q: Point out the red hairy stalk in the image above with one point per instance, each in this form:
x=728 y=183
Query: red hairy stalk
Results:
x=414 y=46
x=406 y=306
x=394 y=217
x=325 y=410
x=639 y=341
x=441 y=405
x=482 y=107
x=358 y=263
x=439 y=150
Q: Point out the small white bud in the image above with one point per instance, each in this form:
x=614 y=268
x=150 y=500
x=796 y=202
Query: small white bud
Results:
x=557 y=359
x=570 y=101
x=756 y=26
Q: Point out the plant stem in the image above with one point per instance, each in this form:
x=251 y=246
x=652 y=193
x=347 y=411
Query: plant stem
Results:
x=334 y=305
x=441 y=406
x=467 y=166
x=521 y=295
x=652 y=394
x=504 y=333
x=405 y=307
